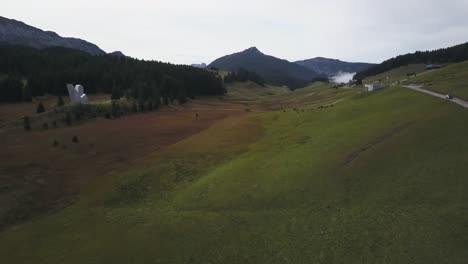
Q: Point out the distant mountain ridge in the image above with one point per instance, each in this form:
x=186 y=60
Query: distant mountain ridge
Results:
x=275 y=71
x=332 y=67
x=18 y=33
x=201 y=65
x=117 y=54
x=457 y=53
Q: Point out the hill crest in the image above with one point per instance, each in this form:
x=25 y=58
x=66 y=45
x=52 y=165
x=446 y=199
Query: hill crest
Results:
x=19 y=33
x=275 y=71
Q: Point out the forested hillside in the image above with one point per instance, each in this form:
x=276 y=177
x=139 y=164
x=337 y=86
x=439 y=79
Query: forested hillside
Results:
x=453 y=54
x=242 y=75
x=48 y=70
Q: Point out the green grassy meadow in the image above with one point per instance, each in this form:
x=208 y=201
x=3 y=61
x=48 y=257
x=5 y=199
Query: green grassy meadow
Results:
x=451 y=79
x=377 y=178
x=397 y=74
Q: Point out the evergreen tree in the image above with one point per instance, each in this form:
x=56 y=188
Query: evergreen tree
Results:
x=27 y=95
x=116 y=94
x=60 y=101
x=134 y=107
x=40 y=108
x=141 y=105
x=115 y=109
x=11 y=89
x=26 y=123
x=150 y=105
x=48 y=71
x=68 y=119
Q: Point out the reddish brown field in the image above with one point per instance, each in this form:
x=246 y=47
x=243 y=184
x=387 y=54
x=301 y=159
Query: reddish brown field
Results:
x=36 y=176
x=18 y=110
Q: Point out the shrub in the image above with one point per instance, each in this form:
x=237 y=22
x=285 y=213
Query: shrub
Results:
x=40 y=108
x=150 y=105
x=68 y=119
x=26 y=123
x=77 y=116
x=60 y=101
x=115 y=109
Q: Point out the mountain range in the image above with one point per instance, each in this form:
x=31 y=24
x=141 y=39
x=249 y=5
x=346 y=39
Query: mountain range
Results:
x=274 y=70
x=18 y=33
x=333 y=67
x=201 y=65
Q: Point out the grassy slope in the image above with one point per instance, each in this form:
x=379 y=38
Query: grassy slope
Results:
x=250 y=90
x=379 y=178
x=276 y=98
x=451 y=79
x=396 y=74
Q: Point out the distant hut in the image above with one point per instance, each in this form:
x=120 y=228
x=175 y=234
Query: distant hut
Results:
x=374 y=86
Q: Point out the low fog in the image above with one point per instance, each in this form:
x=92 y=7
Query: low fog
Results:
x=342 y=77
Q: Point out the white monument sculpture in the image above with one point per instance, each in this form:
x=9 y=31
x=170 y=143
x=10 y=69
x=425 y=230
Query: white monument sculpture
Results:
x=77 y=95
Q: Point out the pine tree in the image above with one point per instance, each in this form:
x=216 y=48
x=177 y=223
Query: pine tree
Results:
x=27 y=95
x=68 y=119
x=150 y=105
x=141 y=105
x=115 y=95
x=40 y=108
x=115 y=109
x=134 y=107
x=60 y=101
x=27 y=123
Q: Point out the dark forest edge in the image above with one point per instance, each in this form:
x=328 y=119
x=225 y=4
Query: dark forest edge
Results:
x=27 y=72
x=453 y=54
x=242 y=75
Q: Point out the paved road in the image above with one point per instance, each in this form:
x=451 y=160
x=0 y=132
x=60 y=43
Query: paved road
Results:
x=420 y=89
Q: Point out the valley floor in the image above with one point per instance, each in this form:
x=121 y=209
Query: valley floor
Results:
x=323 y=176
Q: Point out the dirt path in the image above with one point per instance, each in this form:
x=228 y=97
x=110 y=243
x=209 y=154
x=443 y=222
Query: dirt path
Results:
x=441 y=96
x=375 y=142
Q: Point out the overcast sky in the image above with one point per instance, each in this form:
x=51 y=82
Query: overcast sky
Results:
x=195 y=31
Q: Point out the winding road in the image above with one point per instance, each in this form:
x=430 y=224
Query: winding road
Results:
x=420 y=89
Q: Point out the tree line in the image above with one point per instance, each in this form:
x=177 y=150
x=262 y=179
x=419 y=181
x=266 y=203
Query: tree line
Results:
x=242 y=75
x=30 y=72
x=453 y=54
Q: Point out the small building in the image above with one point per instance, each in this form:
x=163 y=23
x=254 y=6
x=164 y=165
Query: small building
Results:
x=432 y=66
x=374 y=86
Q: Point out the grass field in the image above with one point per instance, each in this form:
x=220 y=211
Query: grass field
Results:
x=452 y=79
x=377 y=178
x=397 y=74
x=278 y=98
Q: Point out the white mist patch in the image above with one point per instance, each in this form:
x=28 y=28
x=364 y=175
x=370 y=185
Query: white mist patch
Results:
x=342 y=77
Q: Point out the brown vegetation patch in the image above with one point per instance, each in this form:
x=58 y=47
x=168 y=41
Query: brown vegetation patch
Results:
x=38 y=175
